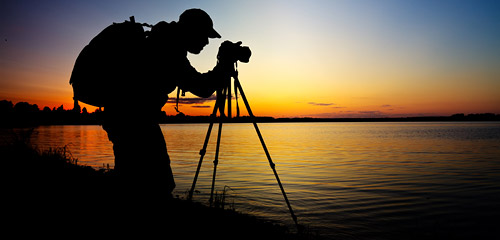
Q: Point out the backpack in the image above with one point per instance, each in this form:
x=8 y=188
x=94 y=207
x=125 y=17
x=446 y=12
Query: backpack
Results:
x=104 y=70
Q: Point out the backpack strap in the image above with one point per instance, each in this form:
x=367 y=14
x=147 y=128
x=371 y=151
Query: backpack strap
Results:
x=177 y=100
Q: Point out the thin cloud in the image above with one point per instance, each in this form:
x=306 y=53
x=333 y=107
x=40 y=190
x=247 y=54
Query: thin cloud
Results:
x=192 y=100
x=321 y=104
x=372 y=113
x=201 y=106
x=350 y=114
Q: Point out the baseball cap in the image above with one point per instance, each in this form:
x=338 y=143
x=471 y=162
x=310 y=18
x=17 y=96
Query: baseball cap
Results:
x=200 y=21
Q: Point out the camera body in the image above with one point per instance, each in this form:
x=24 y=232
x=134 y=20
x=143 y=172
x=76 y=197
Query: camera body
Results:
x=233 y=52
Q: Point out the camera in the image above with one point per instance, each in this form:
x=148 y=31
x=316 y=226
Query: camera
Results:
x=233 y=52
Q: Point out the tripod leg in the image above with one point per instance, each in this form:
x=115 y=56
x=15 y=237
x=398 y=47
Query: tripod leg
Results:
x=203 y=151
x=229 y=96
x=236 y=100
x=216 y=162
x=221 y=101
x=273 y=166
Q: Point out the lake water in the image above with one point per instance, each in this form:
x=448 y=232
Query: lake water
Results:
x=418 y=180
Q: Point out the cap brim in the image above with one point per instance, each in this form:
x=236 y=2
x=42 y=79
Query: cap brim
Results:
x=213 y=34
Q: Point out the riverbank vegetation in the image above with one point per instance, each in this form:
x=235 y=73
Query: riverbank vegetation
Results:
x=48 y=193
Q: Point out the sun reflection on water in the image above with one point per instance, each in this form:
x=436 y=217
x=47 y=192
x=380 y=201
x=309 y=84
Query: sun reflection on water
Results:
x=349 y=180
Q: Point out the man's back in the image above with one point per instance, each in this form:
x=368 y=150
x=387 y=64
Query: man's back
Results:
x=153 y=74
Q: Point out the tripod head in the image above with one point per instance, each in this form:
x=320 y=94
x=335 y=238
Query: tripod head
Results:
x=233 y=53
x=224 y=93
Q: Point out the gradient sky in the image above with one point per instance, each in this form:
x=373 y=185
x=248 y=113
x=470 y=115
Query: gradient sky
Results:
x=331 y=58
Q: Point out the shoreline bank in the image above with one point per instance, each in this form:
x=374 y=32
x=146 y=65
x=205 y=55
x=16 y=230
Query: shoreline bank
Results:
x=48 y=191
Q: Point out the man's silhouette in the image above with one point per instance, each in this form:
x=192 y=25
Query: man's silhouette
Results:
x=131 y=121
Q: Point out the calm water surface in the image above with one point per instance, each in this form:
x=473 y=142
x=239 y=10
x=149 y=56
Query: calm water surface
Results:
x=344 y=180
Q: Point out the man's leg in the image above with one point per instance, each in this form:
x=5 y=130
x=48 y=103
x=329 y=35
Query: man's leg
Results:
x=160 y=169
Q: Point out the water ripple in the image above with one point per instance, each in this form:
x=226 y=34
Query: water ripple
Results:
x=345 y=180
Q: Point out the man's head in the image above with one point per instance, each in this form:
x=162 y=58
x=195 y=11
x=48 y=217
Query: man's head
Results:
x=196 y=27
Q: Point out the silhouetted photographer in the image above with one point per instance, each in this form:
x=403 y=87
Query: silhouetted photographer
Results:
x=125 y=69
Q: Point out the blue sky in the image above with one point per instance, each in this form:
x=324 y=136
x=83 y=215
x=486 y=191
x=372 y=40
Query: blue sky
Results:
x=422 y=57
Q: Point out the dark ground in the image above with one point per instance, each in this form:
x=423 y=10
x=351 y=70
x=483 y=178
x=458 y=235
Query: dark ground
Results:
x=47 y=194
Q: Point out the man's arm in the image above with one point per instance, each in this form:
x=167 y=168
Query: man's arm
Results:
x=204 y=84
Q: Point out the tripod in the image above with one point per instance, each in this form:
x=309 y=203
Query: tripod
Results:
x=223 y=95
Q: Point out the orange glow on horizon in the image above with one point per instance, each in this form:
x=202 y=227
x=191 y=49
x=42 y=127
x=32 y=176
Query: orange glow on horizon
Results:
x=321 y=59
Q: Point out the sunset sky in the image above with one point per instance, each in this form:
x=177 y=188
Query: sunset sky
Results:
x=331 y=58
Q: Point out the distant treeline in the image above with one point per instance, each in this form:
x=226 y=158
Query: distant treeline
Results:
x=454 y=117
x=23 y=114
